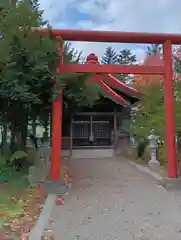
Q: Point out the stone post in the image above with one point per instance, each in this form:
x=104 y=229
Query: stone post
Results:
x=153 y=163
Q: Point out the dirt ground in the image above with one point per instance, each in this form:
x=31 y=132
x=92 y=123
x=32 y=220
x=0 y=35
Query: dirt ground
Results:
x=111 y=200
x=19 y=211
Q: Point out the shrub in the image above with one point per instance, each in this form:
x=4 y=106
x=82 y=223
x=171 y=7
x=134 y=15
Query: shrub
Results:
x=161 y=154
x=141 y=147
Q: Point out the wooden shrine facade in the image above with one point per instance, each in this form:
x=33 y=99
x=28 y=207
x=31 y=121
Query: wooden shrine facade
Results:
x=98 y=127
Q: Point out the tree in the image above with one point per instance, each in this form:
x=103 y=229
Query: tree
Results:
x=177 y=91
x=110 y=56
x=149 y=115
x=27 y=70
x=153 y=49
x=177 y=60
x=150 y=112
x=125 y=57
x=28 y=65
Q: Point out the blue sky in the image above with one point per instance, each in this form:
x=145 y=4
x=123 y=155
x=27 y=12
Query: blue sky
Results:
x=118 y=15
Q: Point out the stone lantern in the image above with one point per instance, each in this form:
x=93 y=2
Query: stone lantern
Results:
x=153 y=163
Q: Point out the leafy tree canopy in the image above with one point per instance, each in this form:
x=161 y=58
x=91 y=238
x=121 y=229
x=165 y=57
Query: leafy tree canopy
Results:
x=152 y=50
x=150 y=114
x=28 y=61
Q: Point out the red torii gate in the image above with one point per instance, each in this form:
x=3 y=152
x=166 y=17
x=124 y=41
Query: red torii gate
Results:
x=125 y=37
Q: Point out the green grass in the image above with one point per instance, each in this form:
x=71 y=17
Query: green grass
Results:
x=13 y=192
x=10 y=199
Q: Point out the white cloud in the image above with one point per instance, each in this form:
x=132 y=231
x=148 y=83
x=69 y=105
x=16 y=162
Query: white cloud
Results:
x=55 y=11
x=118 y=15
x=133 y=15
x=140 y=53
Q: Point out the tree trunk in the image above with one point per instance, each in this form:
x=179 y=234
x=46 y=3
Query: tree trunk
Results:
x=24 y=131
x=19 y=134
x=34 y=126
x=4 y=138
x=46 y=121
x=13 y=137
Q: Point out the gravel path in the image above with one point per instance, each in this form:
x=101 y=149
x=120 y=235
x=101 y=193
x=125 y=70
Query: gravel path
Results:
x=111 y=200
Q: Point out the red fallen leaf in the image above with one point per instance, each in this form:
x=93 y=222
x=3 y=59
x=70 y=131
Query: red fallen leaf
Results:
x=60 y=201
x=51 y=221
x=25 y=236
x=3 y=214
x=23 y=222
x=2 y=237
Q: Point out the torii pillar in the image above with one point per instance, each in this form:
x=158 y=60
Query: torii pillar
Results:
x=56 y=148
x=169 y=111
